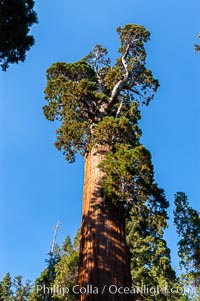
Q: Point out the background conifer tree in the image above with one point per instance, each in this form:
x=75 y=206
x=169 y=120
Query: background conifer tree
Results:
x=21 y=291
x=16 y=18
x=43 y=286
x=14 y=290
x=67 y=268
x=6 y=288
x=187 y=222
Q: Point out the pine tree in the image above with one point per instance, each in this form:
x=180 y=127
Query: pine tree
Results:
x=6 y=292
x=187 y=222
x=67 y=269
x=98 y=106
x=43 y=288
x=21 y=291
x=16 y=18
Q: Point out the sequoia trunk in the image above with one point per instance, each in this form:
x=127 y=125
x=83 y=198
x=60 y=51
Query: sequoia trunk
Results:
x=104 y=257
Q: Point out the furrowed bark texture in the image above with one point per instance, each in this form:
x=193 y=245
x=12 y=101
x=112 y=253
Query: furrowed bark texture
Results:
x=104 y=255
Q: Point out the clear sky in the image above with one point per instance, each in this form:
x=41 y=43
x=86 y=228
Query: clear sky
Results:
x=38 y=187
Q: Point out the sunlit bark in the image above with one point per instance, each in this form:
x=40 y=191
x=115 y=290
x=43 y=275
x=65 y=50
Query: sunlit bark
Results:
x=104 y=259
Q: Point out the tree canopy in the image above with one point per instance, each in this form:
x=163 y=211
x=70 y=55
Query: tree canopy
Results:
x=16 y=18
x=88 y=95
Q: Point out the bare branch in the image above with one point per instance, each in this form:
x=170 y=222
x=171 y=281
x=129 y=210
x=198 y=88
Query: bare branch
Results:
x=120 y=84
x=119 y=109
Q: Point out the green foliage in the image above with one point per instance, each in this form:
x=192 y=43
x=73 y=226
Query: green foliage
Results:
x=187 y=222
x=43 y=287
x=60 y=273
x=150 y=256
x=14 y=290
x=67 y=268
x=71 y=95
x=16 y=18
x=6 y=288
x=132 y=38
x=129 y=177
x=83 y=95
x=22 y=291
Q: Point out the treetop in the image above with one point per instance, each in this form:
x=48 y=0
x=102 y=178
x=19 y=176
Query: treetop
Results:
x=87 y=94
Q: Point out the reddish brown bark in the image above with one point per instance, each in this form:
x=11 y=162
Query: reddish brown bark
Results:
x=104 y=259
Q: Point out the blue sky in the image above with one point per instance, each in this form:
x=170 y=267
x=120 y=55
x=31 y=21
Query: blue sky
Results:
x=38 y=187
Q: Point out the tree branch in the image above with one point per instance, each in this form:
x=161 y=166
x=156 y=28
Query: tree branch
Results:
x=97 y=57
x=119 y=109
x=120 y=84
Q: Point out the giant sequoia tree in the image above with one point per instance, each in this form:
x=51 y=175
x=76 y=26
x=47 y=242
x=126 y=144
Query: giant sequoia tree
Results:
x=97 y=105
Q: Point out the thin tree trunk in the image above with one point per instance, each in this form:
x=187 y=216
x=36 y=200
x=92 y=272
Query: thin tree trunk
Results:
x=104 y=256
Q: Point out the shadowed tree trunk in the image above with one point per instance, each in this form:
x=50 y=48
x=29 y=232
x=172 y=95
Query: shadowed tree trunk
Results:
x=104 y=259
